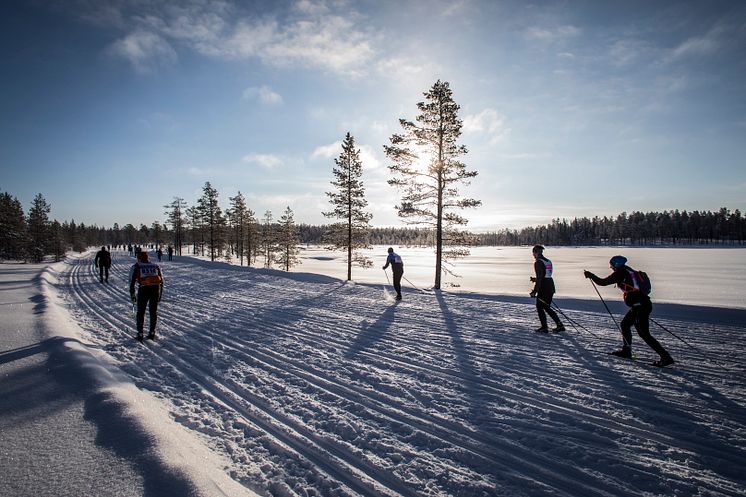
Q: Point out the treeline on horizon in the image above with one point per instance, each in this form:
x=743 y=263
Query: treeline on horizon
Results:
x=32 y=235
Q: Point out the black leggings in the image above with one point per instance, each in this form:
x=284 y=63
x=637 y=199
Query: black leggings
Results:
x=147 y=296
x=544 y=307
x=397 y=281
x=639 y=317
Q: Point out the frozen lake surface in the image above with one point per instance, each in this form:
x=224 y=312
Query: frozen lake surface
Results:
x=693 y=276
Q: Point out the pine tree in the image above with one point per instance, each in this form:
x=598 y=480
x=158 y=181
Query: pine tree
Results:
x=426 y=166
x=212 y=218
x=252 y=240
x=287 y=241
x=239 y=219
x=268 y=239
x=38 y=227
x=175 y=214
x=349 y=203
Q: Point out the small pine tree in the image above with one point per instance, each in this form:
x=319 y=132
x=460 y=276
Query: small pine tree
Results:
x=287 y=241
x=349 y=205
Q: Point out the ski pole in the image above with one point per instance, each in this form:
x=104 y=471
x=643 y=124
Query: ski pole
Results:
x=414 y=286
x=610 y=314
x=387 y=277
x=570 y=320
x=681 y=339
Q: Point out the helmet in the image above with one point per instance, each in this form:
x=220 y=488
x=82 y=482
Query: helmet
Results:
x=538 y=249
x=617 y=261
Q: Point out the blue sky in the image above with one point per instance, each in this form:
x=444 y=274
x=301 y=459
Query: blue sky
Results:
x=111 y=109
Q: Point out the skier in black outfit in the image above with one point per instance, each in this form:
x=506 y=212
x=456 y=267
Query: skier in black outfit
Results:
x=397 y=267
x=544 y=290
x=640 y=308
x=103 y=263
x=149 y=279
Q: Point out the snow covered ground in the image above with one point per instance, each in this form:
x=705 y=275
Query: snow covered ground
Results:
x=308 y=386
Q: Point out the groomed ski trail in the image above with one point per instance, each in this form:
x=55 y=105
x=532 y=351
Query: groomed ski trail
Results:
x=314 y=387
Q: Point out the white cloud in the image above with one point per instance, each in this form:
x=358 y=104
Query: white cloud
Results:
x=264 y=94
x=319 y=35
x=327 y=151
x=145 y=50
x=327 y=42
x=551 y=35
x=367 y=154
x=696 y=47
x=267 y=161
x=487 y=122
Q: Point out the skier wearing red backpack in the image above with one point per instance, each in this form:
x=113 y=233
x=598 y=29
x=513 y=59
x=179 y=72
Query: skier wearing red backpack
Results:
x=636 y=287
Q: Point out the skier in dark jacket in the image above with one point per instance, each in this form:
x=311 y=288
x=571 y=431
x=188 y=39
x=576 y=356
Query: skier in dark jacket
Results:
x=103 y=263
x=640 y=308
x=397 y=267
x=544 y=290
x=149 y=279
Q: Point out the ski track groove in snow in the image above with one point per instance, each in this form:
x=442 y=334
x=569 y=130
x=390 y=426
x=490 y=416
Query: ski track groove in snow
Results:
x=289 y=333
x=332 y=460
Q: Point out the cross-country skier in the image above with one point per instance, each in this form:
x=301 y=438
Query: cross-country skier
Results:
x=397 y=267
x=149 y=279
x=103 y=263
x=544 y=290
x=640 y=308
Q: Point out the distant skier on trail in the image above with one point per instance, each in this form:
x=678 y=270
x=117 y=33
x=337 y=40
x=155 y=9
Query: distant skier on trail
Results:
x=170 y=253
x=103 y=263
x=397 y=267
x=544 y=290
x=640 y=308
x=149 y=279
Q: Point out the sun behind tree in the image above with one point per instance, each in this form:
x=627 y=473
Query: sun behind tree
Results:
x=426 y=166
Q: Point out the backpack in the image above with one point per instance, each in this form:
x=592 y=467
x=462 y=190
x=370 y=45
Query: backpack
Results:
x=641 y=281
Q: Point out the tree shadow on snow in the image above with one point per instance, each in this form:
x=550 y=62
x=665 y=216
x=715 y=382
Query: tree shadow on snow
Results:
x=370 y=334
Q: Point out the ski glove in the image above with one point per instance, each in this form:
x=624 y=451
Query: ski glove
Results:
x=588 y=274
x=532 y=294
x=133 y=298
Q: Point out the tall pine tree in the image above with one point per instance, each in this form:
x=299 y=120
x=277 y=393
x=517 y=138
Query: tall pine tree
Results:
x=348 y=200
x=425 y=165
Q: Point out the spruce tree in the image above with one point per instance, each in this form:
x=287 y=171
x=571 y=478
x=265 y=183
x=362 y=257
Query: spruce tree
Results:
x=348 y=200
x=426 y=167
x=38 y=227
x=13 y=231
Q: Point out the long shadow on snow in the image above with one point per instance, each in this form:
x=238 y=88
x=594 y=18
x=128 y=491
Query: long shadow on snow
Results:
x=372 y=333
x=463 y=360
x=660 y=417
